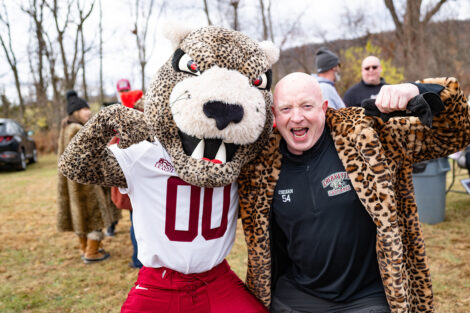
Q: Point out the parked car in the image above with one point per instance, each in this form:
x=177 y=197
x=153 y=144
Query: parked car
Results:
x=16 y=145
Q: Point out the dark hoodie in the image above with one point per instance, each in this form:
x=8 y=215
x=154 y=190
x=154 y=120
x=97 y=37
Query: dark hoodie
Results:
x=361 y=91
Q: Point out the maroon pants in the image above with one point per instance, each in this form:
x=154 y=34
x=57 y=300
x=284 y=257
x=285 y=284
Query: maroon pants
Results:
x=216 y=291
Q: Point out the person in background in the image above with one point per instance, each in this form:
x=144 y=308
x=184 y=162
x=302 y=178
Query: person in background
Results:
x=370 y=84
x=328 y=209
x=328 y=73
x=131 y=99
x=83 y=209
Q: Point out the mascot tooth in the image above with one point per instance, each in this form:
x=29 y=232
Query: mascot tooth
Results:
x=207 y=113
x=221 y=154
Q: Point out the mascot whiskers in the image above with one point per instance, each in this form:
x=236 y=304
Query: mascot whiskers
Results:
x=207 y=113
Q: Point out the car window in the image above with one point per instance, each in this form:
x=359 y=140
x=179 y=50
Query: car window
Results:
x=20 y=129
x=11 y=128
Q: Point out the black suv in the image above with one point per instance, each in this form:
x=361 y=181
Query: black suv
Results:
x=16 y=145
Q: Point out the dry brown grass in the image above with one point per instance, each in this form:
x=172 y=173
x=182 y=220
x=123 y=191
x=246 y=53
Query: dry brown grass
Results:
x=40 y=268
x=448 y=249
x=41 y=271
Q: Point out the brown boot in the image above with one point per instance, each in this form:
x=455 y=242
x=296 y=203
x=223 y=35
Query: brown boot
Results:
x=83 y=241
x=94 y=253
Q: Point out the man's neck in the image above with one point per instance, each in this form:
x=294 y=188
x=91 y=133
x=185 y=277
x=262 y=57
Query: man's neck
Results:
x=330 y=75
x=372 y=83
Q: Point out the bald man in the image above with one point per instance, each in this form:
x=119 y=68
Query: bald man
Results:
x=369 y=86
x=328 y=208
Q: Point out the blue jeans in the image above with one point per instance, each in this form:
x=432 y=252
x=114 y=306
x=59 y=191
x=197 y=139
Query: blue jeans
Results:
x=135 y=260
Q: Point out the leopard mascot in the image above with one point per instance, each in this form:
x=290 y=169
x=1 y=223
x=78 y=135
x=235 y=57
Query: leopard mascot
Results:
x=207 y=113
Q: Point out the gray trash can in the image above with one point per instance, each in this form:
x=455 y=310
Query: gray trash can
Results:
x=429 y=180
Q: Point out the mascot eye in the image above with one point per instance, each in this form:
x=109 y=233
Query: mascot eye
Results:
x=183 y=63
x=186 y=64
x=263 y=82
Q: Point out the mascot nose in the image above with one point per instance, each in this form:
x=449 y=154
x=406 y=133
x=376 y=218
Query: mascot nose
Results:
x=223 y=113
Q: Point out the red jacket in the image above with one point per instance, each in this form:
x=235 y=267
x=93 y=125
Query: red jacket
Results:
x=129 y=98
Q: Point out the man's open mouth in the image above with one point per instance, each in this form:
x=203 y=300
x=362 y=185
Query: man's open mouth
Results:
x=214 y=150
x=299 y=132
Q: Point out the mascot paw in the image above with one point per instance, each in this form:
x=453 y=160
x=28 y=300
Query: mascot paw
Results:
x=127 y=124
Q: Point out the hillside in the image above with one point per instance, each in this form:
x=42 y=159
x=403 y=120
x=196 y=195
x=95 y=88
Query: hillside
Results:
x=447 y=52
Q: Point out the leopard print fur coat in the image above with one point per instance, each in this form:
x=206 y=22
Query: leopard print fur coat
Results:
x=81 y=208
x=378 y=157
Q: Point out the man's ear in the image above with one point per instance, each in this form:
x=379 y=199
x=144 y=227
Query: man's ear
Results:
x=273 y=110
x=274 y=113
x=325 y=105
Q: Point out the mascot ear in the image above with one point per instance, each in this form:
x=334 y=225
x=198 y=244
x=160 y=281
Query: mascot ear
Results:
x=271 y=51
x=175 y=32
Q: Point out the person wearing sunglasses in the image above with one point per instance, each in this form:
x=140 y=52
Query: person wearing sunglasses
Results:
x=370 y=84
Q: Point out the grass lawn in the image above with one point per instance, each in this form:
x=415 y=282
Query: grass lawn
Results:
x=41 y=270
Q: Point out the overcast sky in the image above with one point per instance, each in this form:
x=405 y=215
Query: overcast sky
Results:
x=321 y=19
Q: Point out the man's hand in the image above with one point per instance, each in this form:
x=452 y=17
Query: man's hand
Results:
x=395 y=97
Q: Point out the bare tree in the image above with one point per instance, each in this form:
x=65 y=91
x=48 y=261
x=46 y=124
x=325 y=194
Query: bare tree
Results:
x=42 y=63
x=143 y=13
x=101 y=53
x=53 y=110
x=264 y=20
x=70 y=68
x=235 y=23
x=55 y=82
x=303 y=56
x=236 y=14
x=409 y=30
x=50 y=52
x=281 y=34
x=82 y=17
x=225 y=13
x=356 y=22
x=35 y=10
x=270 y=21
x=10 y=56
x=206 y=11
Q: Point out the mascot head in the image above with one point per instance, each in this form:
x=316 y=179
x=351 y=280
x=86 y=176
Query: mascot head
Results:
x=210 y=103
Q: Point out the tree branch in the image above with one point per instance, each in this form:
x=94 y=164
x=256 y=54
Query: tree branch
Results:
x=291 y=29
x=433 y=11
x=206 y=10
x=263 y=19
x=393 y=12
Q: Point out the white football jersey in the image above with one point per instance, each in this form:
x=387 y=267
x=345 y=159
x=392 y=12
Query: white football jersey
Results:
x=186 y=228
